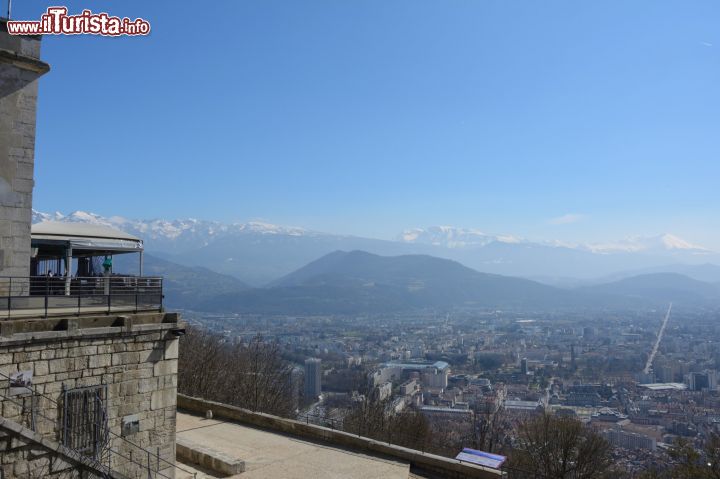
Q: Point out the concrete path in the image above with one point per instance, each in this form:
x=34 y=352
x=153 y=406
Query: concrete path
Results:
x=276 y=456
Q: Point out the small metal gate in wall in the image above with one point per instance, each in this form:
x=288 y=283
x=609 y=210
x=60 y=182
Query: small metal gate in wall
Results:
x=85 y=423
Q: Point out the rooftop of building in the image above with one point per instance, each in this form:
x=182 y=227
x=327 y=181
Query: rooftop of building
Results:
x=417 y=364
x=664 y=386
x=516 y=404
x=443 y=409
x=608 y=414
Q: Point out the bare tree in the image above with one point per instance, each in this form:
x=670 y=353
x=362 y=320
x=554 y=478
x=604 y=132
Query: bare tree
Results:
x=201 y=359
x=552 y=447
x=490 y=427
x=366 y=416
x=251 y=375
x=695 y=463
x=371 y=417
x=259 y=379
x=712 y=452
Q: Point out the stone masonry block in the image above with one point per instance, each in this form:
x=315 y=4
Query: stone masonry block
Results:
x=171 y=349
x=129 y=388
x=47 y=354
x=26 y=356
x=148 y=385
x=100 y=360
x=125 y=358
x=163 y=368
x=83 y=351
x=150 y=355
x=41 y=368
x=163 y=398
x=60 y=365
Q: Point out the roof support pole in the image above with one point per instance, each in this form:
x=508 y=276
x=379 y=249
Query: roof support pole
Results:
x=68 y=269
x=141 y=263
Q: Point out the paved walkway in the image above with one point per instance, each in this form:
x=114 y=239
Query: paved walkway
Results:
x=276 y=456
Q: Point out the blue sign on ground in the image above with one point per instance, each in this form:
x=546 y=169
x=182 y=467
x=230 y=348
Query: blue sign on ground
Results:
x=481 y=457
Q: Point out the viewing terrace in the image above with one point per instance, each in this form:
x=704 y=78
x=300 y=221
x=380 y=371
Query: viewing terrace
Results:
x=240 y=443
x=71 y=273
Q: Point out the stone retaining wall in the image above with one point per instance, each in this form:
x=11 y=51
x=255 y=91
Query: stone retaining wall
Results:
x=138 y=363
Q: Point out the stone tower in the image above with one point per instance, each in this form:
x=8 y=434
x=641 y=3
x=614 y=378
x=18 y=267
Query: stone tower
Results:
x=84 y=392
x=20 y=69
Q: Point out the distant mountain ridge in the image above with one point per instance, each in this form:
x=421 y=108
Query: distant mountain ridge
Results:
x=661 y=287
x=357 y=281
x=186 y=287
x=258 y=253
x=707 y=272
x=183 y=286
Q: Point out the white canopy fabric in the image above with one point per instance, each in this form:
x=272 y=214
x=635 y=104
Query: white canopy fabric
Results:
x=82 y=236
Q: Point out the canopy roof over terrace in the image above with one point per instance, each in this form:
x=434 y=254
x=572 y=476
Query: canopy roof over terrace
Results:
x=53 y=238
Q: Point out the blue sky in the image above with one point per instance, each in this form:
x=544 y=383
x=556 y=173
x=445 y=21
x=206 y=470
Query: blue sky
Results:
x=368 y=117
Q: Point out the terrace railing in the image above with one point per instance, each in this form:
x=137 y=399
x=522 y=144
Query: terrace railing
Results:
x=43 y=296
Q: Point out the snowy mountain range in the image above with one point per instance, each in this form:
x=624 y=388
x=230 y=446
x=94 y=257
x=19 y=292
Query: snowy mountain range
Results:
x=662 y=243
x=258 y=252
x=451 y=237
x=173 y=235
x=170 y=229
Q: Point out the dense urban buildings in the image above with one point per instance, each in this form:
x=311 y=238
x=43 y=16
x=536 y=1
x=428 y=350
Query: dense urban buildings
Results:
x=453 y=368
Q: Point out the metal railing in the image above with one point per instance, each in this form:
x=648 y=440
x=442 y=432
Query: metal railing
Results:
x=56 y=295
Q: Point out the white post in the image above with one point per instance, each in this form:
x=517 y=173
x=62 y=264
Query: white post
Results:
x=68 y=269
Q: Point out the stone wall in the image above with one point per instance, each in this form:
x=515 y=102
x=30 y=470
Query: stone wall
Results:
x=135 y=356
x=20 y=69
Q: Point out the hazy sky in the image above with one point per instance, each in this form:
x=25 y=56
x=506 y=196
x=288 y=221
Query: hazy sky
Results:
x=580 y=121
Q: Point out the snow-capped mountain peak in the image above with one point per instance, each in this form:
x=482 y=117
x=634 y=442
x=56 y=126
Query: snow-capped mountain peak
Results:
x=268 y=228
x=452 y=237
x=665 y=243
x=171 y=233
x=673 y=242
x=457 y=238
x=74 y=217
